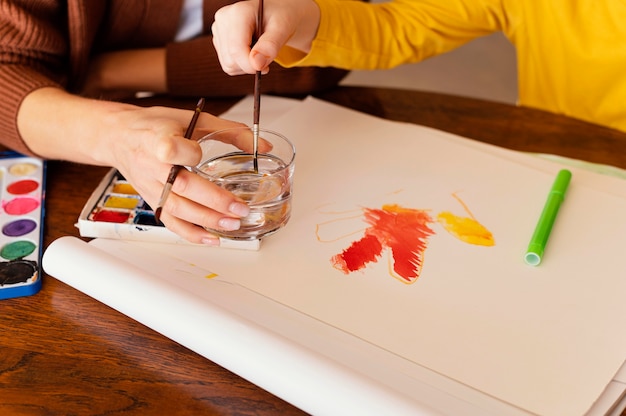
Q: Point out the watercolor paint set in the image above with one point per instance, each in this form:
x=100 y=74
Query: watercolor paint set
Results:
x=21 y=221
x=115 y=210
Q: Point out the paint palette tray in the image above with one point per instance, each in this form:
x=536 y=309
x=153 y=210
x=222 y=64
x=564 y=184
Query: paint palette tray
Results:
x=115 y=210
x=21 y=224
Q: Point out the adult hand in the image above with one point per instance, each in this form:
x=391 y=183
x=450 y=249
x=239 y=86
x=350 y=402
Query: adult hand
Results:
x=145 y=153
x=285 y=22
x=143 y=144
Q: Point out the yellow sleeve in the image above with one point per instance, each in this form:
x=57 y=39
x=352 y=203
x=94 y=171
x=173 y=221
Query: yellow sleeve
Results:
x=570 y=55
x=359 y=35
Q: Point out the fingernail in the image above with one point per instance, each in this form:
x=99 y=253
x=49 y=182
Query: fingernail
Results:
x=229 y=224
x=239 y=209
x=261 y=59
x=210 y=241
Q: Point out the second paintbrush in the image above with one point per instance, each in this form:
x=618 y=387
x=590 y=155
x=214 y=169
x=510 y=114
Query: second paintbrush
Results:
x=176 y=168
x=257 y=95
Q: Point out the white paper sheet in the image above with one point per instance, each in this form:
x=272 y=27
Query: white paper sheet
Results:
x=477 y=315
x=552 y=318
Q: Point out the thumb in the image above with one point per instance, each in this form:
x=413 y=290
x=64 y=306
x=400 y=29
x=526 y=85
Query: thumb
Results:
x=266 y=49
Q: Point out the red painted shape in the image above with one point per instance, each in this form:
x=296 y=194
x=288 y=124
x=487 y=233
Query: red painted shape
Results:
x=402 y=230
x=361 y=252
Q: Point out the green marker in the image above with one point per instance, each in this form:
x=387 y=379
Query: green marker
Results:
x=546 y=220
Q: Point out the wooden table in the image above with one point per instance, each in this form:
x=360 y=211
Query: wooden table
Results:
x=63 y=353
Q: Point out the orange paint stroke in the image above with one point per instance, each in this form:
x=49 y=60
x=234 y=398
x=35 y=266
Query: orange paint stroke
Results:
x=320 y=225
x=404 y=231
x=322 y=211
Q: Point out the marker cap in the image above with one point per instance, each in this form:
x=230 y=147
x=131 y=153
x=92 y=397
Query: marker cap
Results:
x=533 y=254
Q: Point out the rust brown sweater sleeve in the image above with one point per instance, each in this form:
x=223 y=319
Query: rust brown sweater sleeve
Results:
x=29 y=59
x=193 y=69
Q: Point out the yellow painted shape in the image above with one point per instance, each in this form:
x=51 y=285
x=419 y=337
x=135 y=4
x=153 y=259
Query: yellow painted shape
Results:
x=466 y=229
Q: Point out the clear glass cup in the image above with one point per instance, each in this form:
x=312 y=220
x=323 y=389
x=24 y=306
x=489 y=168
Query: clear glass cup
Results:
x=228 y=161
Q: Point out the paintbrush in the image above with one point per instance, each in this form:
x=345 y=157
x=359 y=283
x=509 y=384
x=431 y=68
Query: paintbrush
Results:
x=257 y=95
x=176 y=168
